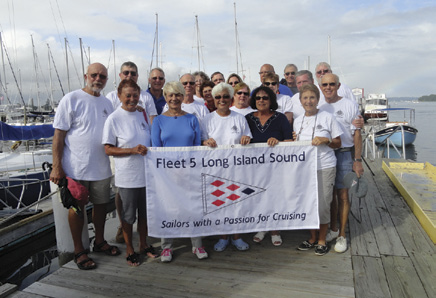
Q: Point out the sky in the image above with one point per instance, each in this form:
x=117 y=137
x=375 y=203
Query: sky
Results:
x=381 y=46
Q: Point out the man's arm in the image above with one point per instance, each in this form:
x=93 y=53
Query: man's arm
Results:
x=57 y=172
x=357 y=164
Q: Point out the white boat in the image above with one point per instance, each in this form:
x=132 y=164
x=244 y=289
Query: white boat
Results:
x=375 y=105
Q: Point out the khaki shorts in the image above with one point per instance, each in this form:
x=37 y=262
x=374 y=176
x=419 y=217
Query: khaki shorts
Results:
x=99 y=191
x=326 y=181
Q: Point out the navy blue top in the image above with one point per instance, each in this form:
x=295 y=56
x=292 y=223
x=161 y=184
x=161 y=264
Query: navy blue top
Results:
x=277 y=126
x=158 y=102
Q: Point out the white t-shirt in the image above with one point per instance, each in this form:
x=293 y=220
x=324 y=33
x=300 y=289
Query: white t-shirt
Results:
x=322 y=124
x=343 y=91
x=344 y=110
x=297 y=107
x=195 y=108
x=145 y=100
x=125 y=129
x=199 y=99
x=285 y=104
x=224 y=130
x=83 y=116
x=244 y=111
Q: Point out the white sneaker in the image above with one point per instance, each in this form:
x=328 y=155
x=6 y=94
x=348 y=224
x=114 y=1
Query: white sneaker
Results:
x=332 y=235
x=200 y=252
x=166 y=255
x=341 y=244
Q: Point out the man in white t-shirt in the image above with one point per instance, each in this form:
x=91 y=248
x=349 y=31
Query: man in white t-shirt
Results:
x=79 y=154
x=345 y=110
x=302 y=77
x=129 y=71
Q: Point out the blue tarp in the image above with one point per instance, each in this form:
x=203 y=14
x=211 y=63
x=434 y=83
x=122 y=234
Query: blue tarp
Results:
x=24 y=133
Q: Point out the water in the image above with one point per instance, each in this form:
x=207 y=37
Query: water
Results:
x=424 y=146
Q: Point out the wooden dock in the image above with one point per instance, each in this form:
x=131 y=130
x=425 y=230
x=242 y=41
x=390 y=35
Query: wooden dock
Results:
x=390 y=256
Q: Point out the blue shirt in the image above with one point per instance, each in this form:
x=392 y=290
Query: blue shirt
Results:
x=177 y=131
x=158 y=102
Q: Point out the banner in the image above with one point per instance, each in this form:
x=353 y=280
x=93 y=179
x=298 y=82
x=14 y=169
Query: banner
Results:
x=201 y=191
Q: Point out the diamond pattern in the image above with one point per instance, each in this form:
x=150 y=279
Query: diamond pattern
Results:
x=218 y=203
x=233 y=187
x=233 y=197
x=218 y=193
x=217 y=183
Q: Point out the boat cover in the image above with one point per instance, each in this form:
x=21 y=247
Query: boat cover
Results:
x=24 y=133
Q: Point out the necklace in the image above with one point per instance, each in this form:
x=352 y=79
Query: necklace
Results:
x=301 y=127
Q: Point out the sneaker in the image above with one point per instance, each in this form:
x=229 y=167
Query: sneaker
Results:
x=221 y=245
x=166 y=255
x=240 y=244
x=200 y=252
x=119 y=238
x=341 y=244
x=332 y=235
x=306 y=245
x=321 y=250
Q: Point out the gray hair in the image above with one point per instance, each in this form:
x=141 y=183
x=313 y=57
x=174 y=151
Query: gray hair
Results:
x=158 y=69
x=128 y=64
x=290 y=65
x=304 y=72
x=202 y=74
x=223 y=87
x=173 y=87
x=323 y=64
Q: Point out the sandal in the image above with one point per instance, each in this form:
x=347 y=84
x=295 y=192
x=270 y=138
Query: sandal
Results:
x=276 y=240
x=150 y=252
x=259 y=237
x=81 y=264
x=133 y=259
x=240 y=244
x=109 y=250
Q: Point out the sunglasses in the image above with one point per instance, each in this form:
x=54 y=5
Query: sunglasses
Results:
x=233 y=83
x=132 y=73
x=95 y=75
x=270 y=83
x=190 y=83
x=262 y=97
x=328 y=84
x=241 y=92
x=290 y=73
x=322 y=71
x=156 y=78
x=224 y=97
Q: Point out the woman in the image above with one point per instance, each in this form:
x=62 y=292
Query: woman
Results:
x=200 y=77
x=126 y=136
x=284 y=102
x=176 y=128
x=225 y=127
x=234 y=79
x=206 y=93
x=324 y=131
x=241 y=99
x=271 y=127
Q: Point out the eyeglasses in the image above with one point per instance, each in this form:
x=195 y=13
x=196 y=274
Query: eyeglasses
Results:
x=270 y=83
x=156 y=78
x=264 y=72
x=224 y=97
x=132 y=73
x=233 y=83
x=190 y=83
x=95 y=75
x=324 y=71
x=290 y=73
x=262 y=97
x=241 y=92
x=328 y=84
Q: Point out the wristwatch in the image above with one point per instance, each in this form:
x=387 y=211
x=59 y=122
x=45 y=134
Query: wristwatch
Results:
x=358 y=159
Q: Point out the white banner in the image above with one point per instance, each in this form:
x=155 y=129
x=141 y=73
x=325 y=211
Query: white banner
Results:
x=200 y=191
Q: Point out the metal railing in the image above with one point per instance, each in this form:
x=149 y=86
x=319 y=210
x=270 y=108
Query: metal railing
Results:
x=371 y=145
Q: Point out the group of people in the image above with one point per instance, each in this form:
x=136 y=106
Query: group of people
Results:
x=198 y=110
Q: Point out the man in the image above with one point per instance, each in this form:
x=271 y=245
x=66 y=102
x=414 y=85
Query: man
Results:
x=156 y=81
x=79 y=154
x=302 y=77
x=323 y=68
x=217 y=78
x=190 y=105
x=345 y=110
x=129 y=71
x=290 y=72
x=268 y=68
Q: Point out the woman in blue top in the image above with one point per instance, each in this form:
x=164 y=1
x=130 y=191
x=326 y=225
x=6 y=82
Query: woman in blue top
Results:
x=176 y=128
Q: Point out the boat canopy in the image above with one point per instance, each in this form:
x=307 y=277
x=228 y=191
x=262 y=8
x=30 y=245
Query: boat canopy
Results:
x=24 y=133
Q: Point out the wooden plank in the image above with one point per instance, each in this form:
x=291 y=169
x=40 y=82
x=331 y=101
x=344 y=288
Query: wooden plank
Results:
x=425 y=266
x=20 y=294
x=370 y=279
x=7 y=289
x=402 y=278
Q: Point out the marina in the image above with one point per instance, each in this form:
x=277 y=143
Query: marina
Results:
x=390 y=255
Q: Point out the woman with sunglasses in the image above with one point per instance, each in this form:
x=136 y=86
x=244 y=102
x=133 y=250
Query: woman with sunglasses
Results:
x=271 y=127
x=284 y=102
x=225 y=127
x=241 y=99
x=234 y=79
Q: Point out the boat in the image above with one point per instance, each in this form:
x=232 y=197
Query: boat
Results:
x=374 y=107
x=359 y=95
x=398 y=133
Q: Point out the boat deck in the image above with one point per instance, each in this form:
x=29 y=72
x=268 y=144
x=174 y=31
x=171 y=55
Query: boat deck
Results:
x=390 y=256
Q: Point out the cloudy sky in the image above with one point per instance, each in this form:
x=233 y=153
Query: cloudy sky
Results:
x=381 y=46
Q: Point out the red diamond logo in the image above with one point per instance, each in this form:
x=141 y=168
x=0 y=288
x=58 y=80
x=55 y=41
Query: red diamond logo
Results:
x=217 y=183
x=233 y=187
x=233 y=197
x=218 y=193
x=218 y=203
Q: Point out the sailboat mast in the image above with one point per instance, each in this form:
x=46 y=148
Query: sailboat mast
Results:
x=81 y=56
x=50 y=77
x=115 y=71
x=236 y=39
x=329 y=50
x=198 y=41
x=157 y=40
x=35 y=66
x=3 y=63
x=66 y=60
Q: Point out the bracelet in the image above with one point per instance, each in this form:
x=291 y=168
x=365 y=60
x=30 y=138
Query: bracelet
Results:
x=358 y=159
